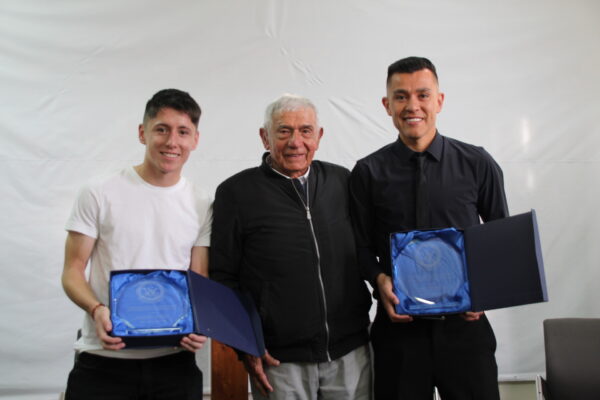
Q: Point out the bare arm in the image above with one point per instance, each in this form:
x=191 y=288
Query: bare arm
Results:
x=199 y=261
x=78 y=249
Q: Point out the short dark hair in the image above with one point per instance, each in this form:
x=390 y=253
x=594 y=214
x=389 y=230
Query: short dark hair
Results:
x=409 y=65
x=175 y=99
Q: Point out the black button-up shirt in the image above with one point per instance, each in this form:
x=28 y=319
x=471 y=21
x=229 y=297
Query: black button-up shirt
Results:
x=464 y=183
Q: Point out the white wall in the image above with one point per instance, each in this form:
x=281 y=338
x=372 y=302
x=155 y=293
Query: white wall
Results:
x=521 y=79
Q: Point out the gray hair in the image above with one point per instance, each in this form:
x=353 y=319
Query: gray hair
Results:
x=287 y=102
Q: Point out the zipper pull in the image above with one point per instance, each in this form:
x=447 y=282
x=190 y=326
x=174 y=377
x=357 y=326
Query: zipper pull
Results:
x=308 y=216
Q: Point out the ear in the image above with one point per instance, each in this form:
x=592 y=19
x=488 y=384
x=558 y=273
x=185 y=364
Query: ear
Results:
x=319 y=136
x=141 y=136
x=386 y=104
x=440 y=101
x=264 y=135
x=196 y=137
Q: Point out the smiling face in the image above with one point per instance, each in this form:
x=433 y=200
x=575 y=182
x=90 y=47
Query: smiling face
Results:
x=292 y=139
x=169 y=138
x=413 y=101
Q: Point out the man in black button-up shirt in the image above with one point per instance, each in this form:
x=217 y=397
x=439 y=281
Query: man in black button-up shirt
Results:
x=463 y=184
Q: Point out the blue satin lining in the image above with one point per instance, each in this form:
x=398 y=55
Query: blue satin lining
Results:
x=150 y=303
x=429 y=272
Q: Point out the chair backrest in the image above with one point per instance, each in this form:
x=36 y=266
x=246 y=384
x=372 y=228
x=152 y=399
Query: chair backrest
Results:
x=572 y=348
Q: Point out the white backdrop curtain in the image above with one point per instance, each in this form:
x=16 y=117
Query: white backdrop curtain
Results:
x=521 y=79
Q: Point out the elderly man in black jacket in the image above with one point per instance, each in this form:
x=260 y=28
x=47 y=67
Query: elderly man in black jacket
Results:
x=282 y=232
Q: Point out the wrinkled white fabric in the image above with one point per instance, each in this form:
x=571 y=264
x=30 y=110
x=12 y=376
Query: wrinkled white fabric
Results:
x=520 y=79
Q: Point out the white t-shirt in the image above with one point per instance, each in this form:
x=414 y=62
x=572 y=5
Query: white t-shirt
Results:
x=137 y=226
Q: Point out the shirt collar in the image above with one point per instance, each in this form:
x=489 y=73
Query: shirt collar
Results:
x=434 y=149
x=302 y=178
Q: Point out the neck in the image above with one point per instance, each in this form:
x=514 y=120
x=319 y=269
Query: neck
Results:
x=418 y=145
x=292 y=175
x=157 y=178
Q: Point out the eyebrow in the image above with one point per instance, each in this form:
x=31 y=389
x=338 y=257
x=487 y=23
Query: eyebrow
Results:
x=419 y=90
x=161 y=124
x=292 y=128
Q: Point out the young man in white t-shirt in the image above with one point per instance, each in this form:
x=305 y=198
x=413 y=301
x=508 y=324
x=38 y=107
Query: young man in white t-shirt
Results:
x=145 y=217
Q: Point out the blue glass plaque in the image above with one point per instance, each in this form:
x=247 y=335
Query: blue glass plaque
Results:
x=150 y=303
x=429 y=272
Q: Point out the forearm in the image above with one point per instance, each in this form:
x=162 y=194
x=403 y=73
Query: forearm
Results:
x=78 y=249
x=78 y=289
x=199 y=260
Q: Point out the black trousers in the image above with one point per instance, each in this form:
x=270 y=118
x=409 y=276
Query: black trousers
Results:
x=172 y=377
x=453 y=355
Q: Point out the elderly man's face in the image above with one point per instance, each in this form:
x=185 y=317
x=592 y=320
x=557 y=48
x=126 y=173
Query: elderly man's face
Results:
x=292 y=140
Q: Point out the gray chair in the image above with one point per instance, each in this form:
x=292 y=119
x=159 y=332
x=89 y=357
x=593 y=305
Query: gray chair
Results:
x=572 y=347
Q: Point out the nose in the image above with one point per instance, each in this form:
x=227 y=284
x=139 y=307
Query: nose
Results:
x=172 y=139
x=412 y=104
x=295 y=139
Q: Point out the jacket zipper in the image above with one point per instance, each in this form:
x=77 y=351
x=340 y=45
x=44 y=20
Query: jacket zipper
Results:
x=321 y=284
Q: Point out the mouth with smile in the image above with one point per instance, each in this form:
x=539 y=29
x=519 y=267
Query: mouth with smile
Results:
x=169 y=154
x=294 y=156
x=412 y=120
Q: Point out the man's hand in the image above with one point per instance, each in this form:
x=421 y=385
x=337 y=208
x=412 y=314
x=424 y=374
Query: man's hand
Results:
x=471 y=316
x=193 y=342
x=255 y=366
x=103 y=325
x=389 y=299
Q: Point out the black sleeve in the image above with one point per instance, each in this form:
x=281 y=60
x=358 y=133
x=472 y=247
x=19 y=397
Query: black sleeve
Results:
x=491 y=202
x=362 y=212
x=226 y=239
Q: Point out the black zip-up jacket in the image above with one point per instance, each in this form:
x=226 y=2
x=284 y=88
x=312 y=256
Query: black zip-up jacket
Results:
x=307 y=286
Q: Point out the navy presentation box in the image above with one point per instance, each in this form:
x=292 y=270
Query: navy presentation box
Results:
x=156 y=308
x=493 y=265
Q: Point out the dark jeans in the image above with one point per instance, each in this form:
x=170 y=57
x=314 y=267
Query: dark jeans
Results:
x=172 y=377
x=453 y=355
